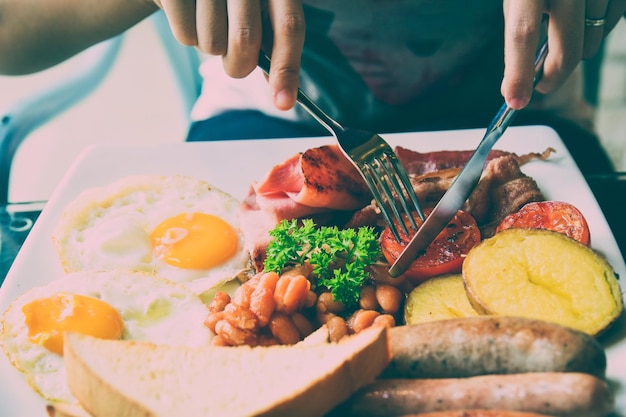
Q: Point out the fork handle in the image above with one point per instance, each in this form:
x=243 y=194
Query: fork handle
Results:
x=309 y=105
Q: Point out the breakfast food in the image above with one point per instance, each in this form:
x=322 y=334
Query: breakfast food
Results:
x=478 y=413
x=441 y=297
x=418 y=163
x=113 y=304
x=559 y=216
x=444 y=255
x=285 y=305
x=545 y=275
x=471 y=346
x=58 y=409
x=503 y=189
x=302 y=380
x=322 y=184
x=312 y=276
x=554 y=393
x=178 y=227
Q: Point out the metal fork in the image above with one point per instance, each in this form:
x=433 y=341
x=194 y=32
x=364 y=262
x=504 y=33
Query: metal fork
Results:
x=374 y=159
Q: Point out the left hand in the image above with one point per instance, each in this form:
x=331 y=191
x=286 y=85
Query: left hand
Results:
x=575 y=31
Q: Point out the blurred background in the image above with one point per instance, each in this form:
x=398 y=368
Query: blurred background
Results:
x=132 y=117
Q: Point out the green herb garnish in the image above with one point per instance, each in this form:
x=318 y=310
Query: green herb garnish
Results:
x=339 y=257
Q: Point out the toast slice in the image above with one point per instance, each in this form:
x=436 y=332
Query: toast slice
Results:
x=125 y=378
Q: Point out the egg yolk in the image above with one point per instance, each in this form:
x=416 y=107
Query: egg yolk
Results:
x=47 y=319
x=194 y=241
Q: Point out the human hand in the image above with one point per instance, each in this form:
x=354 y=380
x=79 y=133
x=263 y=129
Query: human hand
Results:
x=234 y=30
x=575 y=31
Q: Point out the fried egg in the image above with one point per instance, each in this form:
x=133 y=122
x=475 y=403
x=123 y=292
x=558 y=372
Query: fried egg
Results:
x=175 y=226
x=106 y=304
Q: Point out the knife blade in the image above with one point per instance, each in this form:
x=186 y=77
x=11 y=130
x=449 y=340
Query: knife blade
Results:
x=464 y=184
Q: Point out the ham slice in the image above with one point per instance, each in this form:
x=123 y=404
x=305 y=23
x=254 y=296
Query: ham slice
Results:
x=316 y=183
x=320 y=177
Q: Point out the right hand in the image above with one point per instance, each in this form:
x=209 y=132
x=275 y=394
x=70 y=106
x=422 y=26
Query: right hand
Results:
x=569 y=41
x=234 y=30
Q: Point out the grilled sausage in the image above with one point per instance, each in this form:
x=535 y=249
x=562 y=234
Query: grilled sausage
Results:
x=482 y=345
x=553 y=393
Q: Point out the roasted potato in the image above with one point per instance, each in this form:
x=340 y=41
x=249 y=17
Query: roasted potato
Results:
x=545 y=275
x=438 y=298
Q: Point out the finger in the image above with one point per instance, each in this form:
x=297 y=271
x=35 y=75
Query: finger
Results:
x=244 y=37
x=595 y=11
x=181 y=15
x=565 y=44
x=212 y=26
x=287 y=17
x=521 y=37
x=615 y=10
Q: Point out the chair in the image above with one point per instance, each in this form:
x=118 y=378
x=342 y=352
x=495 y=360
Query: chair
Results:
x=27 y=115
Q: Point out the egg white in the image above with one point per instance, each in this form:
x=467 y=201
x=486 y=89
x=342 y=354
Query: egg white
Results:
x=110 y=227
x=152 y=309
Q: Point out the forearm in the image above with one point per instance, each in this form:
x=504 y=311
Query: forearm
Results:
x=37 y=34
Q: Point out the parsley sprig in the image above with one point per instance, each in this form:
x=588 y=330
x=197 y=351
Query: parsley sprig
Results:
x=339 y=257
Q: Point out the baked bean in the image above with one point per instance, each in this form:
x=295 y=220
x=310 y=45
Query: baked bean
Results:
x=241 y=317
x=265 y=340
x=290 y=293
x=380 y=274
x=283 y=329
x=323 y=317
x=262 y=304
x=328 y=303
x=268 y=280
x=367 y=299
x=362 y=319
x=337 y=328
x=234 y=336
x=219 y=341
x=242 y=294
x=310 y=299
x=219 y=302
x=305 y=270
x=389 y=298
x=385 y=320
x=303 y=324
x=213 y=318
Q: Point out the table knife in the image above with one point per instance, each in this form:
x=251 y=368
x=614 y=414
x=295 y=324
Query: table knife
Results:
x=464 y=184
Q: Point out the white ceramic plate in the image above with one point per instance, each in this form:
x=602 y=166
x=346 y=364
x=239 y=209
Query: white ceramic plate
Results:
x=232 y=165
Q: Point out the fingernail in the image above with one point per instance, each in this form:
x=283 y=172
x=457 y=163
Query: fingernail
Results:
x=284 y=100
x=517 y=103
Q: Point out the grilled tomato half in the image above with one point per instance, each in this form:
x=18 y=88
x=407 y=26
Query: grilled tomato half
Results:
x=445 y=254
x=557 y=216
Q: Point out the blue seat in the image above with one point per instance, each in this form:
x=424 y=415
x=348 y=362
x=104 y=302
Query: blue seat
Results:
x=29 y=114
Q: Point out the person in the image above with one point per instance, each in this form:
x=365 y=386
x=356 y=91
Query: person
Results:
x=385 y=66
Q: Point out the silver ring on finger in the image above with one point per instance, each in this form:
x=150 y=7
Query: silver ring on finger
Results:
x=595 y=22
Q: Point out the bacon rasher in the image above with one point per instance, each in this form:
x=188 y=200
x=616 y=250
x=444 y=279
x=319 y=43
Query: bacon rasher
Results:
x=321 y=183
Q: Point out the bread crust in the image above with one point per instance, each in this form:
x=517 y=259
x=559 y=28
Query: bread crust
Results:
x=104 y=379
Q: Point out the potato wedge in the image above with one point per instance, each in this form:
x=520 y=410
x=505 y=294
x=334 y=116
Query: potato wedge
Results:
x=438 y=298
x=544 y=275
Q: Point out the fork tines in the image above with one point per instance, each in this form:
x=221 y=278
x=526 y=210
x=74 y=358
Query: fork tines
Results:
x=382 y=175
